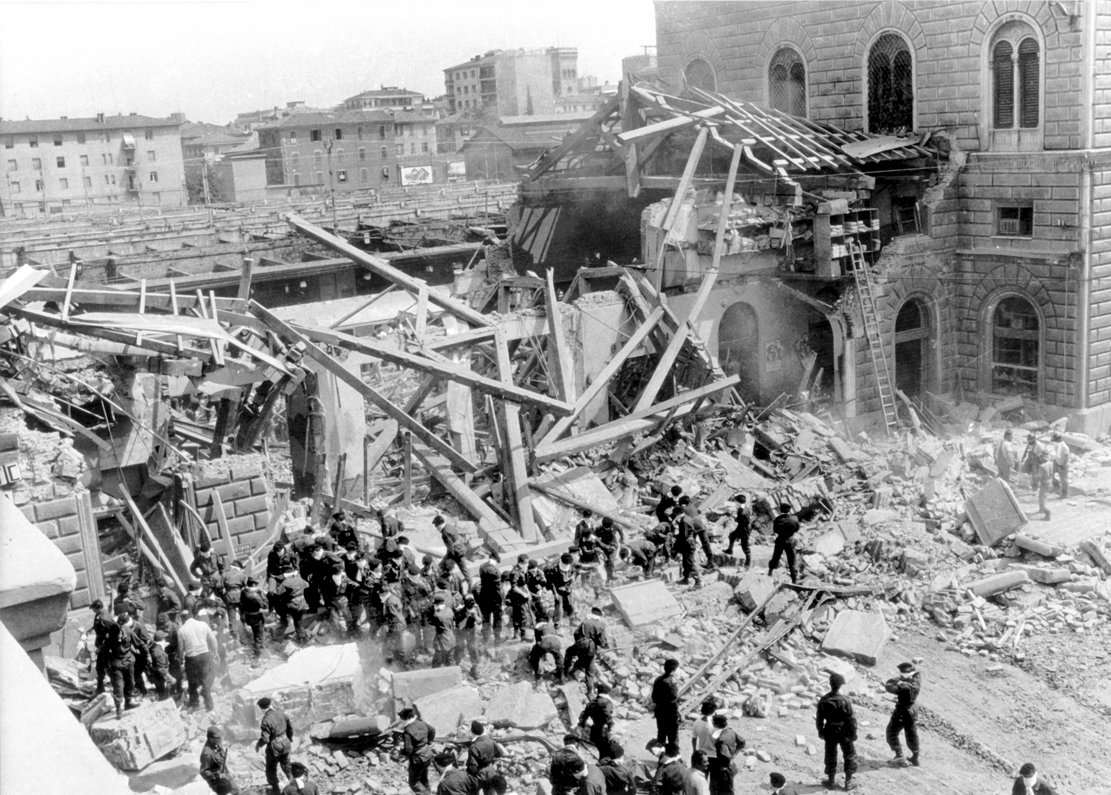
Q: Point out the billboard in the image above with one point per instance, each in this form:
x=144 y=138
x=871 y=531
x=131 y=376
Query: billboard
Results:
x=457 y=168
x=416 y=175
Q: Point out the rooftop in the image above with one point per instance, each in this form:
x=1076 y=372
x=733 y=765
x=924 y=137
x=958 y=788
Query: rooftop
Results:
x=119 y=122
x=319 y=118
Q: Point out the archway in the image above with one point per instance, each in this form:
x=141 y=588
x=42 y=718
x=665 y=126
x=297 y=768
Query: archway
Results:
x=739 y=348
x=912 y=352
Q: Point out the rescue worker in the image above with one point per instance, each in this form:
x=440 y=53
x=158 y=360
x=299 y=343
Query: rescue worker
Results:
x=537 y=583
x=300 y=785
x=490 y=600
x=468 y=618
x=904 y=717
x=561 y=578
x=102 y=625
x=482 y=756
x=203 y=566
x=693 y=517
x=593 y=627
x=580 y=657
x=642 y=552
x=619 y=775
x=671 y=774
x=599 y=712
x=161 y=677
x=520 y=605
x=454 y=544
x=199 y=650
x=292 y=603
x=393 y=614
x=453 y=781
x=668 y=505
x=276 y=739
x=443 y=622
x=121 y=648
x=252 y=611
x=1005 y=456
x=214 y=764
x=785 y=526
x=742 y=529
x=417 y=737
x=836 y=726
x=547 y=644
x=665 y=700
x=611 y=538
x=1028 y=782
x=727 y=744
x=567 y=767
x=686 y=540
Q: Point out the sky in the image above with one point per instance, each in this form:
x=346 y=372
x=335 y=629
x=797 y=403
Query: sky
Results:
x=212 y=59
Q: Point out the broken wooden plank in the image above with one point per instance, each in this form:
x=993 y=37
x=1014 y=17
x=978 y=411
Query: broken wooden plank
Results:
x=244 y=292
x=669 y=125
x=563 y=368
x=571 y=499
x=438 y=467
x=517 y=471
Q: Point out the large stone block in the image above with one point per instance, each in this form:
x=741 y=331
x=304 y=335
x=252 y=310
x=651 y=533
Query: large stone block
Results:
x=55 y=509
x=857 y=635
x=994 y=512
x=998 y=583
x=643 y=604
x=143 y=735
x=446 y=710
x=408 y=686
x=754 y=587
x=315 y=684
x=520 y=706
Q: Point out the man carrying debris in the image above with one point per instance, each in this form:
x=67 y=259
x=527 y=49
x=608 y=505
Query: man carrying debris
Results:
x=1005 y=456
x=276 y=736
x=785 y=526
x=416 y=738
x=214 y=764
x=727 y=744
x=599 y=711
x=741 y=529
x=837 y=727
x=580 y=657
x=665 y=700
x=905 y=687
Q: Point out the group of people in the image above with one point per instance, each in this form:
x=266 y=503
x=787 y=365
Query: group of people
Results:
x=1047 y=465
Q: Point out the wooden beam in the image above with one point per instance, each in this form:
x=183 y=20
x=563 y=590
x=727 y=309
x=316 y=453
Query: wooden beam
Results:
x=632 y=171
x=635 y=422
x=244 y=292
x=368 y=392
x=669 y=125
x=685 y=181
x=726 y=206
x=563 y=367
x=590 y=127
x=443 y=369
x=603 y=378
x=517 y=471
x=374 y=299
x=571 y=499
x=384 y=269
x=90 y=298
x=438 y=467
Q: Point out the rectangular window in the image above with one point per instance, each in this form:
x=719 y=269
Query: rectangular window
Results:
x=148 y=133
x=80 y=137
x=57 y=140
x=107 y=180
x=383 y=152
x=151 y=155
x=9 y=143
x=362 y=153
x=412 y=147
x=381 y=131
x=38 y=185
x=13 y=165
x=88 y=182
x=293 y=136
x=36 y=164
x=153 y=177
x=15 y=187
x=341 y=176
x=84 y=160
x=60 y=161
x=424 y=147
x=63 y=183
x=400 y=149
x=339 y=134
x=33 y=142
x=314 y=135
x=363 y=175
x=1015 y=221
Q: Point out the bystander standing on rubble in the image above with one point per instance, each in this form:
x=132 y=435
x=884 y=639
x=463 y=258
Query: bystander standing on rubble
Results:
x=785 y=526
x=702 y=729
x=686 y=545
x=490 y=599
x=161 y=677
x=199 y=650
x=836 y=726
x=417 y=737
x=665 y=701
x=905 y=687
x=300 y=785
x=1028 y=782
x=102 y=625
x=252 y=611
x=122 y=648
x=1005 y=455
x=1060 y=455
x=443 y=622
x=275 y=740
x=214 y=764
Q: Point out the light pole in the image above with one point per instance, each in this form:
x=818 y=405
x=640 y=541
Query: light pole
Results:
x=331 y=180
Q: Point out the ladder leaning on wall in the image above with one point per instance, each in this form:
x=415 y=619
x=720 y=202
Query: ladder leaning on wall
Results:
x=865 y=290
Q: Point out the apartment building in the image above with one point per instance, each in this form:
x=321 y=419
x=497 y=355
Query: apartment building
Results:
x=513 y=82
x=384 y=97
x=53 y=165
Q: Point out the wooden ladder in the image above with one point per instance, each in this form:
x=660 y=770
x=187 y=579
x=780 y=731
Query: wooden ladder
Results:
x=865 y=291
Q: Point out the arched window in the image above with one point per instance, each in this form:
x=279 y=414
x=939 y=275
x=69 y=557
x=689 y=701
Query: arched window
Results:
x=1015 y=343
x=890 y=85
x=1016 y=77
x=912 y=349
x=699 y=74
x=787 y=82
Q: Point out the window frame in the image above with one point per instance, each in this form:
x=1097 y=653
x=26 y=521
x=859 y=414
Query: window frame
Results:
x=989 y=337
x=1014 y=138
x=1021 y=208
x=709 y=65
x=801 y=61
x=866 y=80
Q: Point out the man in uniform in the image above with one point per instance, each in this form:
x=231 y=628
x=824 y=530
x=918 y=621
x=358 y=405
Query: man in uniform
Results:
x=102 y=625
x=727 y=743
x=785 y=526
x=482 y=756
x=665 y=700
x=214 y=764
x=904 y=718
x=276 y=736
x=490 y=600
x=252 y=611
x=837 y=727
x=741 y=529
x=599 y=711
x=121 y=648
x=416 y=738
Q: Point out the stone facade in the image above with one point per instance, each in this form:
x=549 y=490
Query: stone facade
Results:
x=245 y=494
x=1052 y=172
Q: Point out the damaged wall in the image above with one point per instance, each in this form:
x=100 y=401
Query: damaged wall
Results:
x=245 y=494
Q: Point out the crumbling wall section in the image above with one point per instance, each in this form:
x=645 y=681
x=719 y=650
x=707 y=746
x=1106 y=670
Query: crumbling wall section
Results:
x=242 y=487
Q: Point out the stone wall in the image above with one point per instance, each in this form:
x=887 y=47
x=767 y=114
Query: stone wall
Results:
x=244 y=491
x=1099 y=334
x=68 y=522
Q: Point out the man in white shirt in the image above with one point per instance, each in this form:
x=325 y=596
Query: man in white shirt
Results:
x=701 y=730
x=697 y=783
x=1059 y=454
x=196 y=645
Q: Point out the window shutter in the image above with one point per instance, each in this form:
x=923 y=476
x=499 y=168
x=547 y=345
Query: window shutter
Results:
x=1004 y=115
x=777 y=87
x=1028 y=77
x=797 y=84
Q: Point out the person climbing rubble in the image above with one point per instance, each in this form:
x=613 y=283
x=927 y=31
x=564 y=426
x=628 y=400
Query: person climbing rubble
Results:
x=275 y=741
x=599 y=714
x=547 y=646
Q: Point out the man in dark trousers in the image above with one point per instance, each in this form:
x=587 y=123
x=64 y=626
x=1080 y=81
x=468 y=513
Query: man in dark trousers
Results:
x=482 y=756
x=693 y=517
x=671 y=773
x=599 y=711
x=443 y=622
x=785 y=526
x=276 y=736
x=252 y=610
x=686 y=546
x=489 y=598
x=580 y=657
x=547 y=644
x=837 y=727
x=454 y=545
x=727 y=744
x=102 y=625
x=214 y=764
x=416 y=738
x=292 y=602
x=161 y=677
x=665 y=699
x=741 y=529
x=121 y=648
x=567 y=767
x=300 y=785
x=561 y=578
x=593 y=627
x=904 y=718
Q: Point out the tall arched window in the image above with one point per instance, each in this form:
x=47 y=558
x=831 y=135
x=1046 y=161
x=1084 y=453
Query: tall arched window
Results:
x=1016 y=77
x=890 y=85
x=787 y=82
x=699 y=74
x=1015 y=344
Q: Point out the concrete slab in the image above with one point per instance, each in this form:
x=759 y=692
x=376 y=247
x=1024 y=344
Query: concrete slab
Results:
x=520 y=706
x=408 y=686
x=857 y=635
x=314 y=684
x=830 y=543
x=643 y=604
x=994 y=512
x=575 y=695
x=753 y=589
x=557 y=517
x=143 y=735
x=447 y=709
x=172 y=773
